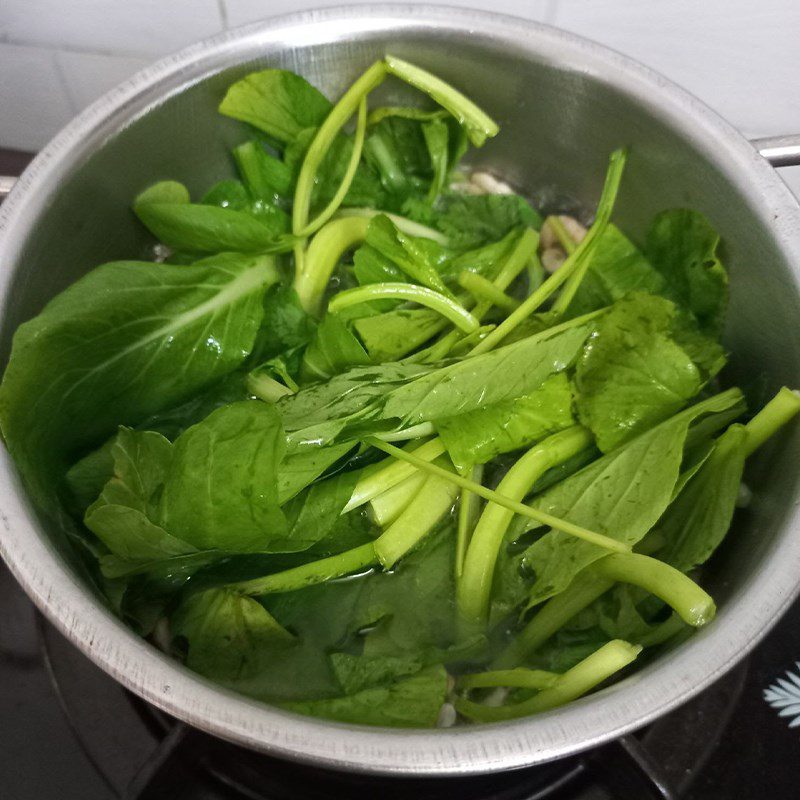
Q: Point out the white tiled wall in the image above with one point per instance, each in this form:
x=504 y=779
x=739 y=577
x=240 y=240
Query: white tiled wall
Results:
x=56 y=56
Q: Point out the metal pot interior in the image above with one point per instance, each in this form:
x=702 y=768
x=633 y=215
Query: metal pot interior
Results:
x=563 y=105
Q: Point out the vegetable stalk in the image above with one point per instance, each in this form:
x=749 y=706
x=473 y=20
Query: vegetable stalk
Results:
x=585 y=588
x=324 y=569
x=474 y=590
x=544 y=518
x=322 y=256
x=409 y=292
x=583 y=677
x=775 y=414
x=433 y=501
x=576 y=263
x=395 y=472
x=692 y=603
x=321 y=143
x=347 y=179
x=519 y=678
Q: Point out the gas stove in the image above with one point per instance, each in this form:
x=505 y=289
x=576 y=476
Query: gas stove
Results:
x=70 y=732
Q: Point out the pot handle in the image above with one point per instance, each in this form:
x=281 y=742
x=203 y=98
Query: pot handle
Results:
x=6 y=185
x=780 y=151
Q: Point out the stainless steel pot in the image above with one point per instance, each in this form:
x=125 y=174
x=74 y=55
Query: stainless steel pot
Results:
x=564 y=104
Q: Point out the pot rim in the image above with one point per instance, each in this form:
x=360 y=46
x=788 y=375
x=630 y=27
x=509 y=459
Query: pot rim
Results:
x=625 y=706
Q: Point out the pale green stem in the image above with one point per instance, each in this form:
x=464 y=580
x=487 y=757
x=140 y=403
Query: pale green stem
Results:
x=478 y=124
x=409 y=292
x=542 y=517
x=467 y=513
x=324 y=252
x=585 y=250
x=524 y=250
x=435 y=499
x=401 y=223
x=395 y=472
x=414 y=432
x=325 y=569
x=347 y=179
x=474 y=590
x=267 y=389
x=560 y=230
x=584 y=589
x=694 y=605
x=663 y=632
x=388 y=505
x=325 y=136
x=575 y=263
x=775 y=414
x=482 y=289
x=575 y=682
x=520 y=678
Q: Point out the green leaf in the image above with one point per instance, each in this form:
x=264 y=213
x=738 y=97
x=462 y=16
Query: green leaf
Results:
x=355 y=673
x=395 y=334
x=229 y=636
x=124 y=342
x=683 y=246
x=87 y=477
x=474 y=383
x=287 y=325
x=333 y=350
x=298 y=470
x=707 y=353
x=413 y=702
x=210 y=228
x=221 y=492
x=396 y=149
x=632 y=375
x=617 y=267
x=470 y=221
x=316 y=515
x=478 y=436
x=277 y=102
x=698 y=519
x=125 y=516
x=319 y=412
x=621 y=495
x=265 y=176
x=485 y=260
x=227 y=194
x=415 y=256
x=172 y=422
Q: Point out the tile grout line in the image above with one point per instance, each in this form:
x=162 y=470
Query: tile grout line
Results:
x=223 y=14
x=62 y=79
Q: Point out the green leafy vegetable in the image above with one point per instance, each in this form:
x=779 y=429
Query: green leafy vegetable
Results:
x=125 y=516
x=622 y=494
x=683 y=247
x=221 y=489
x=203 y=228
x=478 y=436
x=127 y=340
x=413 y=702
x=632 y=375
x=229 y=636
x=470 y=221
x=277 y=102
